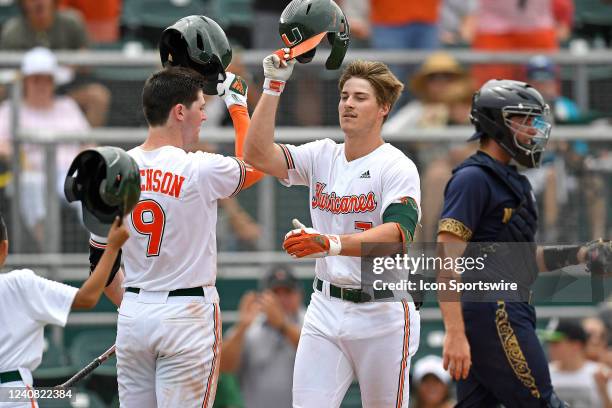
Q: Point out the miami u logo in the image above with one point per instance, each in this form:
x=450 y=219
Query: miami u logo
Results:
x=297 y=37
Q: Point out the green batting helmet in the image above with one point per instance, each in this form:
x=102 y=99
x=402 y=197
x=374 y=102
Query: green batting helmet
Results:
x=197 y=42
x=107 y=182
x=302 y=20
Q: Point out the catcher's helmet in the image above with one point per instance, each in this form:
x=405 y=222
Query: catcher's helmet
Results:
x=107 y=182
x=304 y=20
x=494 y=105
x=199 y=43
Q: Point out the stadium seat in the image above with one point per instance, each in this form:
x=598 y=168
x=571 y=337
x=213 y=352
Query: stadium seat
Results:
x=232 y=12
x=8 y=9
x=90 y=344
x=593 y=12
x=158 y=13
x=593 y=22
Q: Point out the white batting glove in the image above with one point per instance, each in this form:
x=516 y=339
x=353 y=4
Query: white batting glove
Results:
x=277 y=72
x=233 y=90
x=304 y=242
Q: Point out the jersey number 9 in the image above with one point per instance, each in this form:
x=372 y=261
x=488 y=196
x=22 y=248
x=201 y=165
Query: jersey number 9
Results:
x=148 y=218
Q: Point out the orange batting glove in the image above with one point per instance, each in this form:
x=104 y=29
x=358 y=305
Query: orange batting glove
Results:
x=305 y=242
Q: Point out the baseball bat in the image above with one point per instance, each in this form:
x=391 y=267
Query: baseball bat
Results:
x=84 y=372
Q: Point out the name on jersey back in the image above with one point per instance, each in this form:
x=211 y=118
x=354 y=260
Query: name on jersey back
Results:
x=160 y=181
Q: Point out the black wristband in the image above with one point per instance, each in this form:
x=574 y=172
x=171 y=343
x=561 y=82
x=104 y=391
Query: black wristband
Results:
x=95 y=253
x=557 y=257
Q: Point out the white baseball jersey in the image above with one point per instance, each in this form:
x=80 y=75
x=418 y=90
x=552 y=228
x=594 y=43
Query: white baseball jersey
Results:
x=28 y=303
x=172 y=241
x=349 y=197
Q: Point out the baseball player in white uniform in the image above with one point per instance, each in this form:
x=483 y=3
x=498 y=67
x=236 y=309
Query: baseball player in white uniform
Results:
x=28 y=303
x=362 y=190
x=169 y=327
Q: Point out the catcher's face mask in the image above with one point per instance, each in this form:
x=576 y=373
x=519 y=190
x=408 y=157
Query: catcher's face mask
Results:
x=107 y=182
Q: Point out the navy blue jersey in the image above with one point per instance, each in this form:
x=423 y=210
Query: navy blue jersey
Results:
x=477 y=206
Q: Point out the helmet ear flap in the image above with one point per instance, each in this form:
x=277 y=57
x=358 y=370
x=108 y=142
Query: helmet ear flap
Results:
x=339 y=44
x=307 y=56
x=173 y=49
x=71 y=186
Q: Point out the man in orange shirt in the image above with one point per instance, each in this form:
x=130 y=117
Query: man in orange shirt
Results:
x=398 y=24
x=101 y=17
x=404 y=24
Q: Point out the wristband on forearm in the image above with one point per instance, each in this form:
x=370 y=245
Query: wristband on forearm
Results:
x=273 y=87
x=560 y=256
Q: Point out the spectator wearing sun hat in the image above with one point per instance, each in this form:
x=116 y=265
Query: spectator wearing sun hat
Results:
x=41 y=111
x=431 y=383
x=42 y=24
x=436 y=81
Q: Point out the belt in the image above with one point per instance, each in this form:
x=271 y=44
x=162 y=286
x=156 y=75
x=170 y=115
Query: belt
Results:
x=10 y=376
x=352 y=295
x=177 y=292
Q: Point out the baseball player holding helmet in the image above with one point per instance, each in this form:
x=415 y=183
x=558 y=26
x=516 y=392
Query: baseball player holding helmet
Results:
x=486 y=201
x=28 y=302
x=363 y=190
x=169 y=327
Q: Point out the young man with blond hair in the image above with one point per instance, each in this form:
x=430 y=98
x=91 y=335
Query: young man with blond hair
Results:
x=361 y=191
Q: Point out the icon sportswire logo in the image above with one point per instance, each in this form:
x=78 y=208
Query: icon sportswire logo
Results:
x=342 y=205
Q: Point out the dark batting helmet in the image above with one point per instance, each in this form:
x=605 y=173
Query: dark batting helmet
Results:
x=107 y=182
x=496 y=103
x=304 y=20
x=199 y=43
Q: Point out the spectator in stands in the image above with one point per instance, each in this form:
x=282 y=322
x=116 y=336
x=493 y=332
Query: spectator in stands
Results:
x=42 y=111
x=42 y=24
x=514 y=26
x=597 y=340
x=576 y=380
x=440 y=79
x=404 y=24
x=401 y=24
x=457 y=22
x=261 y=347
x=431 y=383
x=101 y=17
x=565 y=160
x=444 y=93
